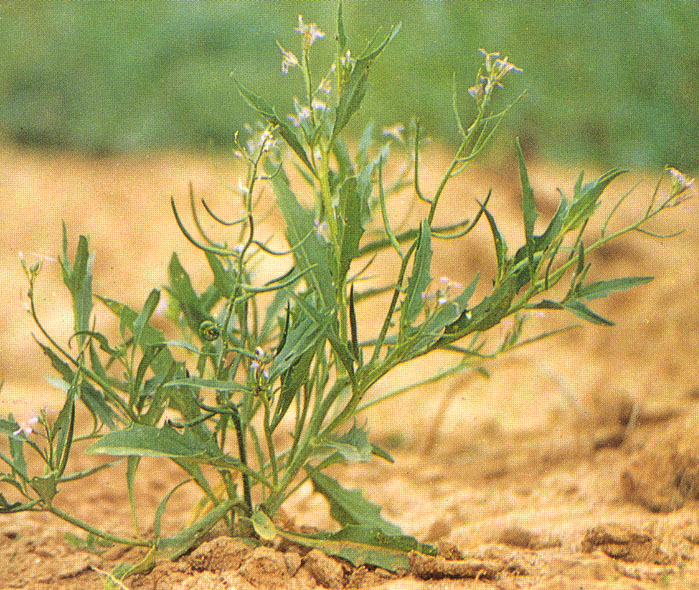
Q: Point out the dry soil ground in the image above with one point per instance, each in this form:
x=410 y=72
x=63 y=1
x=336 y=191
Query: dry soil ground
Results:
x=576 y=465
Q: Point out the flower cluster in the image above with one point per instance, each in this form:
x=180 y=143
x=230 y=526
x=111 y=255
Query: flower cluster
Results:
x=490 y=75
x=310 y=33
x=682 y=187
x=27 y=427
x=259 y=364
x=442 y=293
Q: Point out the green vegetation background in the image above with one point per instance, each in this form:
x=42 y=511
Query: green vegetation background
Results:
x=612 y=81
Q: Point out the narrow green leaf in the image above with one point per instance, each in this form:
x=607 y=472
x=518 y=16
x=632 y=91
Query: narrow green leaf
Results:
x=528 y=204
x=585 y=313
x=64 y=425
x=149 y=354
x=341 y=37
x=353 y=445
x=7 y=427
x=364 y=546
x=604 y=288
x=554 y=227
x=223 y=278
x=585 y=198
x=353 y=329
x=351 y=213
x=420 y=277
x=144 y=315
x=349 y=506
x=19 y=463
x=180 y=287
x=292 y=380
x=302 y=336
x=328 y=327
x=198 y=383
x=149 y=441
x=500 y=244
x=355 y=88
x=78 y=278
x=311 y=253
x=382 y=453
x=162 y=506
x=150 y=336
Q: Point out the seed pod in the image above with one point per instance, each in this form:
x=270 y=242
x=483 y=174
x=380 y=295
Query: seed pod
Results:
x=209 y=331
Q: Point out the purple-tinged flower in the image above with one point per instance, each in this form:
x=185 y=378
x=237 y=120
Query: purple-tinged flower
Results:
x=502 y=67
x=289 y=60
x=310 y=33
x=325 y=86
x=28 y=426
x=396 y=132
x=318 y=105
x=682 y=187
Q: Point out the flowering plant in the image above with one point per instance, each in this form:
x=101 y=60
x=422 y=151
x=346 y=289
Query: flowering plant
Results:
x=291 y=352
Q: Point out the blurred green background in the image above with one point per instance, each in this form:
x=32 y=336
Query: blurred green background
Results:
x=611 y=81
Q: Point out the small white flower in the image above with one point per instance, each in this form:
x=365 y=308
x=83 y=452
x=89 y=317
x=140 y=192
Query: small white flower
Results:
x=679 y=181
x=442 y=300
x=318 y=105
x=304 y=113
x=347 y=59
x=502 y=66
x=28 y=426
x=310 y=33
x=325 y=86
x=396 y=132
x=289 y=60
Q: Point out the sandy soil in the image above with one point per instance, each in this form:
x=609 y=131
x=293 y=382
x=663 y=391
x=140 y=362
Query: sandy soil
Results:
x=574 y=466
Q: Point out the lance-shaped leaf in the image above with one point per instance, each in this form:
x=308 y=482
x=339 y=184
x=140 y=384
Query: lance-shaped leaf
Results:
x=582 y=311
x=353 y=445
x=267 y=111
x=352 y=210
x=145 y=315
x=529 y=211
x=149 y=441
x=604 y=288
x=181 y=289
x=139 y=440
x=93 y=399
x=586 y=198
x=420 y=277
x=78 y=278
x=310 y=251
x=349 y=506
x=500 y=244
x=364 y=546
x=355 y=88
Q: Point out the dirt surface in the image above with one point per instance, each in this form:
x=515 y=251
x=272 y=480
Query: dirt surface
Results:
x=576 y=465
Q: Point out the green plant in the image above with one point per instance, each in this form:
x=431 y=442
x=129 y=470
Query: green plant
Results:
x=290 y=354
